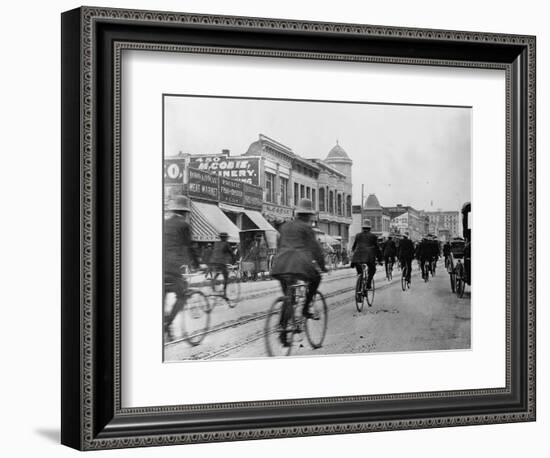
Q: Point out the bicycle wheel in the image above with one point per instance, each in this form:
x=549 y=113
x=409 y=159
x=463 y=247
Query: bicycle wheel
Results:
x=233 y=292
x=316 y=327
x=273 y=330
x=404 y=278
x=195 y=317
x=359 y=297
x=370 y=294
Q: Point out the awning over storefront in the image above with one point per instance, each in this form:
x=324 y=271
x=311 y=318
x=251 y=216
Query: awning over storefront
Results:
x=259 y=220
x=208 y=221
x=271 y=234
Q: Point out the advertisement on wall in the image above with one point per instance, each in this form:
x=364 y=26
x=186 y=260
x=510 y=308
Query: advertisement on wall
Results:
x=203 y=185
x=207 y=186
x=245 y=169
x=174 y=170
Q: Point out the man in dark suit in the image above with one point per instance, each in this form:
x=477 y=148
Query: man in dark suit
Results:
x=390 y=251
x=297 y=252
x=365 y=251
x=406 y=254
x=425 y=253
x=221 y=256
x=178 y=251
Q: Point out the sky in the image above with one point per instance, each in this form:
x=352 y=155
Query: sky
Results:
x=409 y=155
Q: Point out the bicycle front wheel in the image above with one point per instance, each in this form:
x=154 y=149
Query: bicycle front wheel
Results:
x=274 y=330
x=316 y=326
x=195 y=317
x=370 y=294
x=359 y=297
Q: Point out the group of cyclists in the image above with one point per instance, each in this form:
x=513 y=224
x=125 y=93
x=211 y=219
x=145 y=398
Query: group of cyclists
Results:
x=300 y=256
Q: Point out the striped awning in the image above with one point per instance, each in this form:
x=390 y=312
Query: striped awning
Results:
x=260 y=222
x=207 y=221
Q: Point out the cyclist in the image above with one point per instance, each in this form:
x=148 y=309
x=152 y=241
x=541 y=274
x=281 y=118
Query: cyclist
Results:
x=178 y=251
x=222 y=254
x=298 y=250
x=365 y=251
x=389 y=253
x=424 y=256
x=406 y=254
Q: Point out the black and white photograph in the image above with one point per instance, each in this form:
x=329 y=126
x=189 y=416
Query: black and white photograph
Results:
x=300 y=228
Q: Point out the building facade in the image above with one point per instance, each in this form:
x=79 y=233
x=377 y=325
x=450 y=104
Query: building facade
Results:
x=415 y=224
x=442 y=221
x=288 y=177
x=378 y=215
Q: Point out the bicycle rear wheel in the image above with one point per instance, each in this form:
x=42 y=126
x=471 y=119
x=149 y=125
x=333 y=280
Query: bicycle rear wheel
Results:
x=273 y=330
x=316 y=327
x=195 y=317
x=359 y=298
x=370 y=294
x=404 y=278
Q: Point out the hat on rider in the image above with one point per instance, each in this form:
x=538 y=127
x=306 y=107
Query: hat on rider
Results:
x=179 y=203
x=305 y=207
x=367 y=223
x=406 y=234
x=224 y=235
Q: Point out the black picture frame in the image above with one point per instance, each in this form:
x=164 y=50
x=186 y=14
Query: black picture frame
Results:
x=92 y=416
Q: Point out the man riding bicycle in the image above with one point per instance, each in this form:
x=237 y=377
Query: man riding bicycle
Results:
x=406 y=254
x=298 y=250
x=365 y=251
x=425 y=253
x=389 y=254
x=178 y=251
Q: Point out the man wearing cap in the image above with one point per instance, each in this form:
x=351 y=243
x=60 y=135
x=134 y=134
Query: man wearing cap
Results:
x=406 y=254
x=222 y=254
x=366 y=251
x=178 y=250
x=297 y=252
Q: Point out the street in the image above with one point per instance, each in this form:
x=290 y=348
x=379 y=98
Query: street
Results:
x=425 y=317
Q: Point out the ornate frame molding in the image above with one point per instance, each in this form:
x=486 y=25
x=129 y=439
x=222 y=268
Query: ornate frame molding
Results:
x=89 y=17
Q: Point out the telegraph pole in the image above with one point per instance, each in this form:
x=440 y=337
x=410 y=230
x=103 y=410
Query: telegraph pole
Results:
x=362 y=202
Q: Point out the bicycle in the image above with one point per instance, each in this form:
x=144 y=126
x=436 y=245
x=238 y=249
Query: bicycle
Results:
x=389 y=270
x=194 y=310
x=405 y=284
x=233 y=290
x=425 y=270
x=361 y=290
x=315 y=327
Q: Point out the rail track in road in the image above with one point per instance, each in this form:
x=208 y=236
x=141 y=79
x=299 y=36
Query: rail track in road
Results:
x=257 y=335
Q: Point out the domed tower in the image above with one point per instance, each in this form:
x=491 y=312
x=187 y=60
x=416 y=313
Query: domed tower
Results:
x=339 y=159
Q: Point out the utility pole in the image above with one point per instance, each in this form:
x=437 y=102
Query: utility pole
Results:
x=362 y=202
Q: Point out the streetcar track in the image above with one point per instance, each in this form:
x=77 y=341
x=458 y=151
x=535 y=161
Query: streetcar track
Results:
x=261 y=334
x=244 y=320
